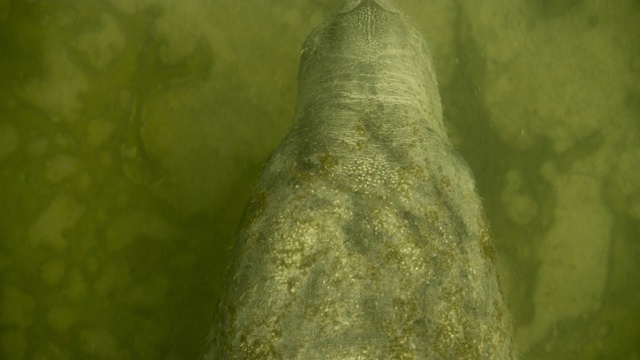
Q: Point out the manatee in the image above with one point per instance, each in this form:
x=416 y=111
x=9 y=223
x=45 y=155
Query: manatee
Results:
x=365 y=237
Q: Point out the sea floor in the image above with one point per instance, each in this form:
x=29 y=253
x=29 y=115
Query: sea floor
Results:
x=132 y=132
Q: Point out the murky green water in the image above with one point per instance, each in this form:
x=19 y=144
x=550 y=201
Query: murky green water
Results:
x=131 y=133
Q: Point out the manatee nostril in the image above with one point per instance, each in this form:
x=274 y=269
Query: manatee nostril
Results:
x=352 y=5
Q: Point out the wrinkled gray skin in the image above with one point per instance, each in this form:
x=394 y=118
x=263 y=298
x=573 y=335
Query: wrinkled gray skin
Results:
x=365 y=237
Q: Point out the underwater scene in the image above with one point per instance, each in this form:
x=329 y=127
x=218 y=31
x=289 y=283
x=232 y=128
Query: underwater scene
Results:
x=133 y=132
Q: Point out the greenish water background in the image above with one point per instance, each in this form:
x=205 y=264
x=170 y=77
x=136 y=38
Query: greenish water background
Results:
x=131 y=133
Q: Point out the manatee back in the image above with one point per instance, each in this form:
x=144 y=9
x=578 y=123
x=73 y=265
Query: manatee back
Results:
x=365 y=237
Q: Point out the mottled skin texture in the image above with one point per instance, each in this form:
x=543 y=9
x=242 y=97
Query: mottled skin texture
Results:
x=365 y=237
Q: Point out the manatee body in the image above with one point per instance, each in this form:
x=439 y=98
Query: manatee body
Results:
x=365 y=237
